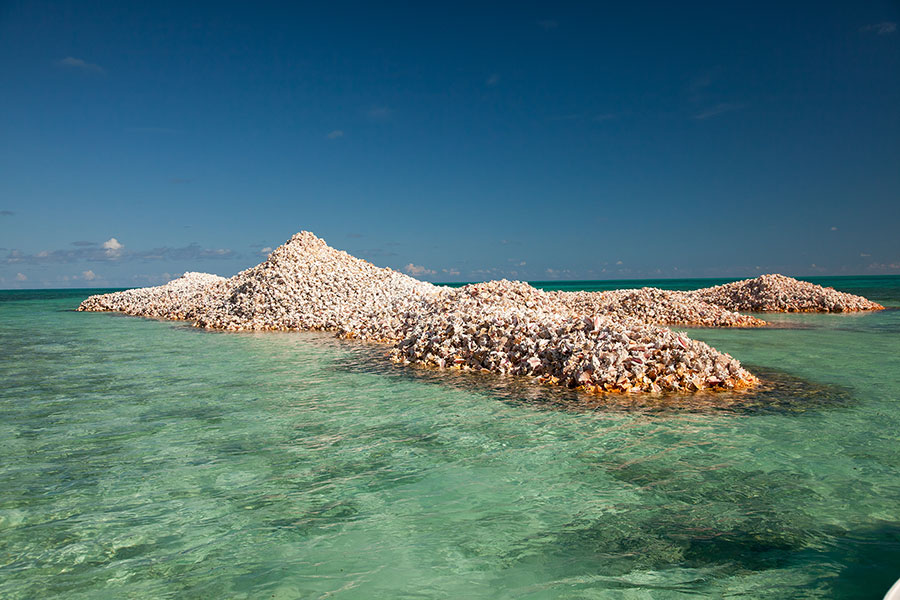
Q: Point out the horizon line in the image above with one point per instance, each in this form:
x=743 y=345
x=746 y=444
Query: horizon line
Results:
x=529 y=281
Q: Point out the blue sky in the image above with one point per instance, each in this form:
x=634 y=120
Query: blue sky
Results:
x=458 y=141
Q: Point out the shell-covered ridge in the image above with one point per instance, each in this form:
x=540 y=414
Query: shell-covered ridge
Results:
x=610 y=341
x=779 y=293
x=513 y=328
x=183 y=298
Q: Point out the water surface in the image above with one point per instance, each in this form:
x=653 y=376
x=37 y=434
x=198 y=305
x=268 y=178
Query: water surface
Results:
x=144 y=458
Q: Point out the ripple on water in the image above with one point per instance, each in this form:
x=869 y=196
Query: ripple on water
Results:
x=149 y=459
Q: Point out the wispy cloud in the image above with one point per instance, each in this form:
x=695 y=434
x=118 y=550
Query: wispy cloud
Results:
x=884 y=267
x=265 y=250
x=70 y=62
x=114 y=251
x=418 y=270
x=884 y=28
x=493 y=80
x=84 y=243
x=568 y=117
x=492 y=271
x=165 y=130
x=337 y=133
x=597 y=118
x=698 y=86
x=559 y=273
x=6 y=213
x=379 y=113
x=548 y=24
x=707 y=98
x=21 y=277
x=718 y=109
x=189 y=252
x=377 y=252
x=88 y=275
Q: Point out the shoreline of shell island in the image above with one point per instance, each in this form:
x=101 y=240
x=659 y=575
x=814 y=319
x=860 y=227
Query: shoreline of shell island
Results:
x=616 y=341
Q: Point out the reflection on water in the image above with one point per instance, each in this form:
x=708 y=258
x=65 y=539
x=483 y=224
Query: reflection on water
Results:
x=778 y=392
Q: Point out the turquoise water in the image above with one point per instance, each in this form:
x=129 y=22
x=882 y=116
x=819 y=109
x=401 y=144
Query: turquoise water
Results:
x=147 y=459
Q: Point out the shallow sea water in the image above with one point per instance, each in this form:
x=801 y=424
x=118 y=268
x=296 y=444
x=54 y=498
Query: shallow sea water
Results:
x=148 y=459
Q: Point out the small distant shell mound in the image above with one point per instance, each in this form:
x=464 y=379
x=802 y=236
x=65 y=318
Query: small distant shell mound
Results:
x=603 y=342
x=779 y=293
x=184 y=298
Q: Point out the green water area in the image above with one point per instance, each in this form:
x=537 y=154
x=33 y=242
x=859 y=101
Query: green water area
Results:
x=150 y=459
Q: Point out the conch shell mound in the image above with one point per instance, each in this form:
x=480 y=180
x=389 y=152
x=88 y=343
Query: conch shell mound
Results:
x=778 y=293
x=610 y=342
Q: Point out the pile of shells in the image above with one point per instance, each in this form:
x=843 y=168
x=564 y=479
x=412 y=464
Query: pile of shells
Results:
x=610 y=341
x=653 y=305
x=305 y=284
x=778 y=293
x=512 y=328
x=501 y=326
x=181 y=299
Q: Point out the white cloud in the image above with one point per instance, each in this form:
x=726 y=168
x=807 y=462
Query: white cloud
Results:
x=418 y=270
x=113 y=247
x=884 y=28
x=864 y=255
x=451 y=271
x=21 y=277
x=265 y=250
x=335 y=134
x=77 y=63
x=88 y=275
x=493 y=80
x=834 y=228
